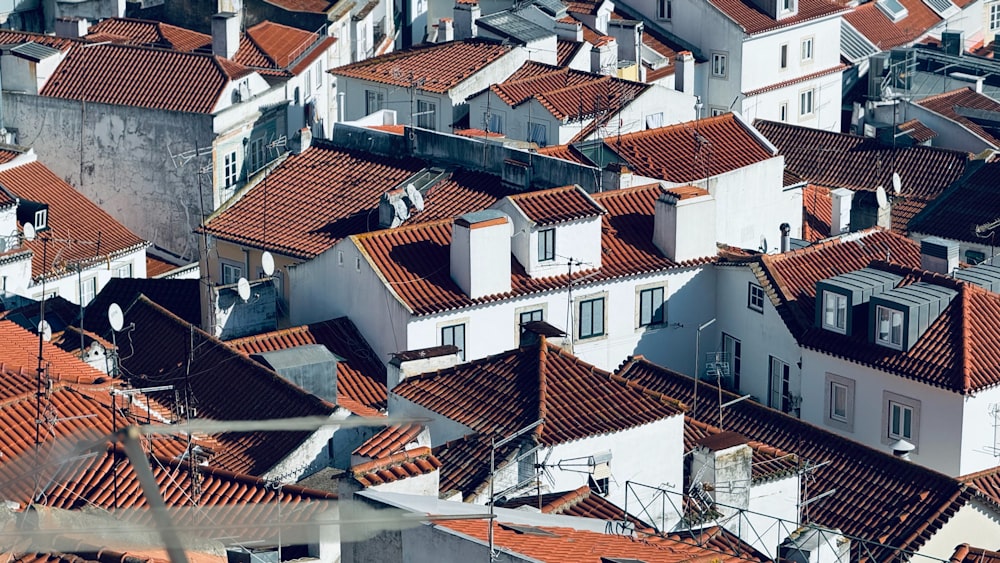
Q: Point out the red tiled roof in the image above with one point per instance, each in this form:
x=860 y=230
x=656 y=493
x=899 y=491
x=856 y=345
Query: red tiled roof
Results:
x=790 y=278
x=410 y=463
x=582 y=503
x=360 y=376
x=837 y=160
x=767 y=462
x=10 y=37
x=871 y=22
x=687 y=192
x=565 y=152
x=955 y=215
x=225 y=384
x=673 y=153
x=566 y=50
x=921 y=500
x=945 y=104
x=411 y=258
x=986 y=481
x=20 y=352
x=817 y=212
x=307 y=6
x=754 y=21
x=143 y=77
x=150 y=33
x=917 y=131
x=805 y=78
x=665 y=47
x=334 y=193
x=502 y=393
x=477 y=133
x=440 y=66
x=557 y=205
x=276 y=47
x=71 y=217
x=967 y=554
x=157 y=267
x=957 y=352
x=465 y=468
x=390 y=440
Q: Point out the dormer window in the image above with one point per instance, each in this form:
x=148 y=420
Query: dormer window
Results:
x=41 y=219
x=787 y=5
x=889 y=327
x=546 y=245
x=835 y=312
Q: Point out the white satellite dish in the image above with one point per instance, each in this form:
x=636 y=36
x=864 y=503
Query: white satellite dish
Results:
x=763 y=244
x=416 y=198
x=115 y=317
x=897 y=183
x=29 y=231
x=45 y=329
x=402 y=211
x=881 y=198
x=243 y=288
x=267 y=263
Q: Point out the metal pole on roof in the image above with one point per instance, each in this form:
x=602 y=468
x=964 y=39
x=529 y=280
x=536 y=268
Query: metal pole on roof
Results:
x=697 y=361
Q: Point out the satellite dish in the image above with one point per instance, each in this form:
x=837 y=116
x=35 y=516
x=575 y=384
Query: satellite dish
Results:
x=45 y=329
x=416 y=198
x=402 y=211
x=243 y=288
x=267 y=262
x=897 y=183
x=29 y=231
x=883 y=200
x=115 y=317
x=763 y=244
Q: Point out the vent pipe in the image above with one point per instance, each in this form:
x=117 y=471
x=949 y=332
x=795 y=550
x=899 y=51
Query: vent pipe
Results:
x=786 y=236
x=901 y=449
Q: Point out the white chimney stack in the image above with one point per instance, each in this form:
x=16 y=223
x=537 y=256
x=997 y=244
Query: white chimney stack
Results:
x=939 y=255
x=684 y=224
x=840 y=220
x=721 y=463
x=225 y=34
x=684 y=72
x=446 y=30
x=466 y=13
x=72 y=27
x=415 y=362
x=480 y=253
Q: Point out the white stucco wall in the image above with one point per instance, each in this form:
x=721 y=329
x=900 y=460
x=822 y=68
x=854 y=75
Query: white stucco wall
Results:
x=68 y=286
x=762 y=53
x=771 y=515
x=826 y=114
x=975 y=524
x=578 y=240
x=980 y=431
x=311 y=455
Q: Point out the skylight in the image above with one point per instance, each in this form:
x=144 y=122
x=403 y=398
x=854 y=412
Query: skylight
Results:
x=893 y=9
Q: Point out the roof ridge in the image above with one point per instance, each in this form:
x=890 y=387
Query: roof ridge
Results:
x=965 y=359
x=414 y=454
x=942 y=95
x=567 y=500
x=543 y=391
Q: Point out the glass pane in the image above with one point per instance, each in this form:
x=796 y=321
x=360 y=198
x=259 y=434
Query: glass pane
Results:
x=658 y=305
x=894 y=417
x=645 y=307
x=907 y=420
x=586 y=318
x=598 y=316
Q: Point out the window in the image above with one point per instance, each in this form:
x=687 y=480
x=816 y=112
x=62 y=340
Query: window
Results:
x=900 y=418
x=654 y=120
x=318 y=74
x=994 y=17
x=41 y=219
x=493 y=122
x=835 y=312
x=664 y=9
x=525 y=316
x=374 y=101
x=340 y=258
x=719 y=65
x=591 y=318
x=807 y=49
x=124 y=271
x=889 y=327
x=309 y=82
x=88 y=289
x=530 y=317
x=651 y=311
x=839 y=400
x=805 y=103
x=973 y=257
x=718 y=111
x=546 y=245
x=787 y=5
x=783 y=111
x=537 y=134
x=779 y=392
x=733 y=349
x=230 y=170
x=900 y=421
x=426 y=114
x=255 y=155
x=783 y=56
x=231 y=273
x=755 y=297
x=454 y=335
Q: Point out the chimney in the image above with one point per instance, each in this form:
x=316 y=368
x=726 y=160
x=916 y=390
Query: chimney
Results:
x=815 y=545
x=446 y=30
x=71 y=27
x=617 y=175
x=569 y=30
x=305 y=140
x=939 y=255
x=466 y=13
x=684 y=72
x=225 y=34
x=684 y=224
x=604 y=56
x=312 y=367
x=953 y=43
x=901 y=449
x=480 y=253
x=840 y=221
x=721 y=464
x=786 y=237
x=414 y=362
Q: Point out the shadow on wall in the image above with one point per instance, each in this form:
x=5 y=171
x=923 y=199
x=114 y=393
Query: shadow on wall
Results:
x=672 y=344
x=236 y=317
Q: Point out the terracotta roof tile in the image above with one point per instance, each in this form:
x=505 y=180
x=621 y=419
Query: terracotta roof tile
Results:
x=917 y=131
x=180 y=297
x=440 y=66
x=687 y=192
x=477 y=133
x=955 y=215
x=351 y=184
x=465 y=468
x=947 y=105
x=565 y=152
x=754 y=21
x=307 y=6
x=804 y=78
x=71 y=217
x=922 y=500
x=20 y=351
x=410 y=463
x=276 y=48
x=150 y=33
x=837 y=160
x=871 y=22
x=361 y=376
x=566 y=50
x=582 y=503
x=557 y=205
x=10 y=36
x=673 y=153
x=390 y=440
x=967 y=554
x=986 y=481
x=817 y=213
x=157 y=266
x=411 y=258
x=502 y=393
x=143 y=77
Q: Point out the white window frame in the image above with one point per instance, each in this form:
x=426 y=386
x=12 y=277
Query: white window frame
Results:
x=779 y=381
x=427 y=114
x=807 y=103
x=538 y=133
x=664 y=10
x=454 y=333
x=717 y=111
x=545 y=236
x=593 y=329
x=994 y=16
x=887 y=337
x=231 y=169
x=87 y=290
x=839 y=385
x=374 y=101
x=787 y=5
x=720 y=64
x=493 y=122
x=124 y=271
x=755 y=297
x=892 y=401
x=231 y=271
x=255 y=155
x=647 y=308
x=783 y=56
x=539 y=309
x=783 y=111
x=41 y=219
x=318 y=73
x=806 y=52
x=835 y=308
x=733 y=348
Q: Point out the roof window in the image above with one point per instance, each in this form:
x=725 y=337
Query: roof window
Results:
x=893 y=9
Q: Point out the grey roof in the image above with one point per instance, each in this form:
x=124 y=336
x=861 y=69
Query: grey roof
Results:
x=866 y=281
x=554 y=8
x=33 y=51
x=984 y=275
x=854 y=46
x=512 y=26
x=943 y=8
x=298 y=356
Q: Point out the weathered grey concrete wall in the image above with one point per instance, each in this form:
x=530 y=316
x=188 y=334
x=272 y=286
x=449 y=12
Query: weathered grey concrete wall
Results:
x=120 y=158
